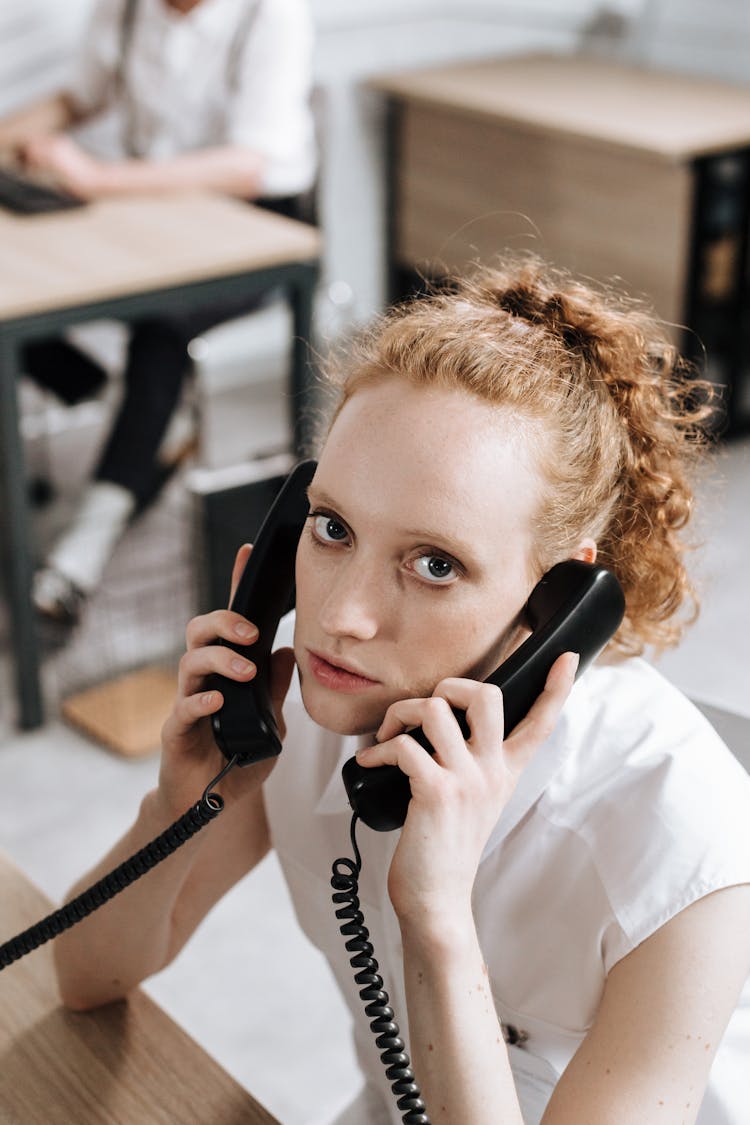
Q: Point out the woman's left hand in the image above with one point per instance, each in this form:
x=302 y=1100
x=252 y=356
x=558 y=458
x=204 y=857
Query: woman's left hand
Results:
x=69 y=165
x=459 y=794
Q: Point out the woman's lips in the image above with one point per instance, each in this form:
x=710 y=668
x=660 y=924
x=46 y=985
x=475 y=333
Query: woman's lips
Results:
x=337 y=678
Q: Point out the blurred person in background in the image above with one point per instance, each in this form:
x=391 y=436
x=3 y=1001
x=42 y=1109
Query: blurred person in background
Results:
x=165 y=95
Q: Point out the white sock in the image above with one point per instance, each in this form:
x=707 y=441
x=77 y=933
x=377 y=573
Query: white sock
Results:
x=84 y=550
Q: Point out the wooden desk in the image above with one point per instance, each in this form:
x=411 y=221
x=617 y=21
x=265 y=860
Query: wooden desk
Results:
x=127 y=1063
x=122 y=258
x=608 y=170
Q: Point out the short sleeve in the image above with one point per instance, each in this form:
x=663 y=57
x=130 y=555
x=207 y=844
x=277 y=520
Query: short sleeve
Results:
x=269 y=111
x=674 y=829
x=660 y=803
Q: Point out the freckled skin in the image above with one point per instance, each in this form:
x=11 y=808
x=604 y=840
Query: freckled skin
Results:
x=393 y=454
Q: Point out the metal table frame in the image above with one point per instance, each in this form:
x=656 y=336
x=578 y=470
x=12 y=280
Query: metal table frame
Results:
x=296 y=279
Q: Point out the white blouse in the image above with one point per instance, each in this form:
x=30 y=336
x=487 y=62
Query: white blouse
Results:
x=227 y=72
x=632 y=809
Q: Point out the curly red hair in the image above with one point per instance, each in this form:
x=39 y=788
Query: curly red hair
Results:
x=619 y=419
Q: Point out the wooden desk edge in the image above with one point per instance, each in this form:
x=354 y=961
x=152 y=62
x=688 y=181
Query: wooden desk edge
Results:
x=51 y=1032
x=413 y=87
x=253 y=240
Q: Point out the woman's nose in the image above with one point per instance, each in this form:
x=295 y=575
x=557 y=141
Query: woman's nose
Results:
x=350 y=605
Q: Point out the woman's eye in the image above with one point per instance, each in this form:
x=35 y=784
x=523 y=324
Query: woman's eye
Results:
x=328 y=529
x=434 y=568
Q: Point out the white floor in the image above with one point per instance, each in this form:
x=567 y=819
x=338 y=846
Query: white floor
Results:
x=248 y=986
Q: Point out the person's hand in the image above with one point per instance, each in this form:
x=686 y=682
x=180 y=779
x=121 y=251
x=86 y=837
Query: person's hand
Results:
x=70 y=167
x=190 y=756
x=459 y=794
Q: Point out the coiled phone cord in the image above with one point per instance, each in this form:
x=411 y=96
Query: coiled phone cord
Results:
x=394 y=1056
x=209 y=806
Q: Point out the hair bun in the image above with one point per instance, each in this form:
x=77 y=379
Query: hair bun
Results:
x=572 y=324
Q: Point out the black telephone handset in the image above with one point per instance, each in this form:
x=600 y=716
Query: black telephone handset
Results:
x=245 y=726
x=575 y=607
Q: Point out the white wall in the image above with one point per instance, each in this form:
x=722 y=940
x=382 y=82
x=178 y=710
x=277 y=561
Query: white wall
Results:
x=708 y=37
x=36 y=39
x=378 y=36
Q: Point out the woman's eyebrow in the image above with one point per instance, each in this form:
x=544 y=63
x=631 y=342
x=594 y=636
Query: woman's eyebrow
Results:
x=317 y=496
x=459 y=548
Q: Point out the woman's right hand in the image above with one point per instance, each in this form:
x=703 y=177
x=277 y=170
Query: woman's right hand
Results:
x=190 y=756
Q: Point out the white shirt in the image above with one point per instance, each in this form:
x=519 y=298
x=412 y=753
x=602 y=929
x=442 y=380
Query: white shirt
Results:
x=632 y=810
x=227 y=72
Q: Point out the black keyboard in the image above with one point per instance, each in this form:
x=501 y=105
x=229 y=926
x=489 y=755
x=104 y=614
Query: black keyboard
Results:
x=17 y=193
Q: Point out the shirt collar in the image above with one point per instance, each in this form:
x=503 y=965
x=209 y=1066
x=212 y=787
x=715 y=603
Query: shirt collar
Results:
x=531 y=785
x=205 y=16
x=333 y=800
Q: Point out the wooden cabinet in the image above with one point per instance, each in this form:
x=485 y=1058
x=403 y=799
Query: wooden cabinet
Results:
x=615 y=172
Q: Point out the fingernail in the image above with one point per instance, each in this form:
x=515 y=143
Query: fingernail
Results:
x=365 y=752
x=245 y=630
x=240 y=665
x=208 y=698
x=574 y=659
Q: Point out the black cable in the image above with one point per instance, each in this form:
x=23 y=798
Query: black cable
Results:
x=209 y=806
x=393 y=1053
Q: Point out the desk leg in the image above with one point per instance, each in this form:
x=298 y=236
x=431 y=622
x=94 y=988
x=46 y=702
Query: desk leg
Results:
x=717 y=291
x=301 y=387
x=16 y=554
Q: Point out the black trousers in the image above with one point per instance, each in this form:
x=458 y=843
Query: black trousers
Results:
x=155 y=369
x=156 y=366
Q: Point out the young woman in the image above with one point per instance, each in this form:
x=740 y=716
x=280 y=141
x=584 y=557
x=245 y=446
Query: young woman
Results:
x=564 y=914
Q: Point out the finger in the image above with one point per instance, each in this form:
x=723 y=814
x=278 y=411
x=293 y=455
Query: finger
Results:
x=542 y=717
x=400 y=715
x=240 y=562
x=485 y=701
x=436 y=719
x=198 y=663
x=189 y=711
x=407 y=755
x=483 y=705
x=221 y=623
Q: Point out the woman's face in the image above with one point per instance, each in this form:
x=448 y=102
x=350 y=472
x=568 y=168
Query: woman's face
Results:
x=415 y=561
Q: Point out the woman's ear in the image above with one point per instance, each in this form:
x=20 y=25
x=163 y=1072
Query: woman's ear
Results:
x=586 y=551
